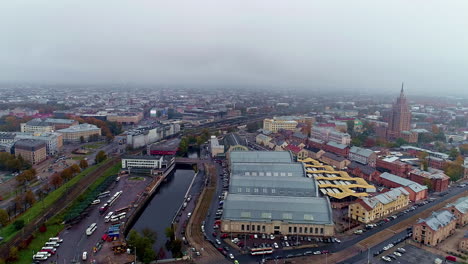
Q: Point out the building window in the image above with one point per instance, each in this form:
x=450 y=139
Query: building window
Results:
x=263 y=228
x=311 y=230
x=247 y=189
x=308 y=217
x=239 y=189
x=273 y=190
x=265 y=190
x=321 y=230
x=300 y=229
x=245 y=214
x=305 y=230
x=255 y=190
x=253 y=227
x=287 y=216
x=258 y=228
x=290 y=229
x=266 y=215
x=248 y=227
x=242 y=227
x=295 y=229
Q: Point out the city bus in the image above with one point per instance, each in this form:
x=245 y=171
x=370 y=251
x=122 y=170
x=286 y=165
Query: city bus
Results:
x=91 y=229
x=121 y=210
x=261 y=251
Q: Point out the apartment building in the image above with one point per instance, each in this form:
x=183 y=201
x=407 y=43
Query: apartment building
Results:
x=74 y=134
x=329 y=135
x=417 y=191
x=277 y=123
x=33 y=151
x=363 y=156
x=369 y=209
x=434 y=229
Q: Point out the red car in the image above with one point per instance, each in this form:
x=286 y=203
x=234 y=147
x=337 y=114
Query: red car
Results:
x=325 y=251
x=224 y=235
x=215 y=234
x=240 y=244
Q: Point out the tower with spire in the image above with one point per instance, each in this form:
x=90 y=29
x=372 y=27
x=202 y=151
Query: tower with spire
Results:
x=399 y=124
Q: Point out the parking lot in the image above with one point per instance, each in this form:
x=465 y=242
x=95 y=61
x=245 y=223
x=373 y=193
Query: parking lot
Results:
x=412 y=255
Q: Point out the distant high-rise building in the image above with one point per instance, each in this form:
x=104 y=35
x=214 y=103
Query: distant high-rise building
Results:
x=399 y=123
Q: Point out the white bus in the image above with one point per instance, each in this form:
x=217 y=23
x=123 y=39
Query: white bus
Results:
x=116 y=218
x=91 y=229
x=108 y=217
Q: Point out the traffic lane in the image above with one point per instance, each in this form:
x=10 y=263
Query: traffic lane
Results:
x=365 y=253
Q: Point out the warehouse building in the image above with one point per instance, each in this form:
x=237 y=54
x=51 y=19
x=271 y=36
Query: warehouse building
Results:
x=270 y=193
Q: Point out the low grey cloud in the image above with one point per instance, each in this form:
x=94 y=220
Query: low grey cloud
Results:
x=364 y=45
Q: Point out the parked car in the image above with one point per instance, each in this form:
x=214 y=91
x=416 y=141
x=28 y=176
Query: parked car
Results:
x=386 y=258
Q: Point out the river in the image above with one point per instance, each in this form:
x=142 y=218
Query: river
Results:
x=160 y=211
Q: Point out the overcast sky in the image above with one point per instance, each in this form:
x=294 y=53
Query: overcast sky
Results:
x=350 y=44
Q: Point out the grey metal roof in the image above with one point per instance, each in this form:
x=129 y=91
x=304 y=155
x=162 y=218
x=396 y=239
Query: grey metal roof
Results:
x=80 y=127
x=142 y=157
x=416 y=187
x=274 y=186
x=361 y=151
x=385 y=198
x=259 y=208
x=268 y=169
x=260 y=156
x=461 y=204
x=334 y=157
x=7 y=135
x=59 y=121
x=438 y=219
x=37 y=122
x=336 y=145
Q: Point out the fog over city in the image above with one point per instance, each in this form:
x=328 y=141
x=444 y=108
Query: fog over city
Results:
x=353 y=45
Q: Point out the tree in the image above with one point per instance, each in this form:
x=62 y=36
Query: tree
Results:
x=83 y=164
x=66 y=174
x=143 y=245
x=56 y=180
x=176 y=248
x=463 y=149
x=75 y=168
x=18 y=224
x=4 y=217
x=399 y=142
x=428 y=183
x=169 y=232
x=100 y=156
x=29 y=198
x=150 y=234
x=13 y=254
x=82 y=140
x=453 y=154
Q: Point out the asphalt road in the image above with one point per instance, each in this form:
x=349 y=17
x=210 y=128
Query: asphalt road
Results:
x=334 y=247
x=75 y=241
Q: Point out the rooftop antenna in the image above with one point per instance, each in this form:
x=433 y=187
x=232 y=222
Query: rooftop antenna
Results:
x=402 y=84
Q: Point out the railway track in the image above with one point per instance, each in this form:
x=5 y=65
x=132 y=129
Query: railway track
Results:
x=67 y=198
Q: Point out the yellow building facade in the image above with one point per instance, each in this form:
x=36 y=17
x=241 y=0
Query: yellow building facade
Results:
x=369 y=209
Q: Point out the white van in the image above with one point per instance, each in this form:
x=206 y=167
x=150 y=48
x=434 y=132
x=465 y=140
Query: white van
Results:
x=55 y=239
x=52 y=244
x=108 y=217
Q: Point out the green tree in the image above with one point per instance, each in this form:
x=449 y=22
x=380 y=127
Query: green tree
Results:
x=150 y=234
x=169 y=232
x=143 y=245
x=82 y=140
x=350 y=126
x=4 y=217
x=453 y=154
x=83 y=164
x=428 y=183
x=176 y=248
x=18 y=224
x=100 y=156
x=400 y=142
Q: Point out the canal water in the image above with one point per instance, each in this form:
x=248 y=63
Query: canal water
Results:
x=160 y=211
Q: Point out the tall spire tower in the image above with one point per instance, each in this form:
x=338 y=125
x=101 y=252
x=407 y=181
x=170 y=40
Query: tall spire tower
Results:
x=400 y=119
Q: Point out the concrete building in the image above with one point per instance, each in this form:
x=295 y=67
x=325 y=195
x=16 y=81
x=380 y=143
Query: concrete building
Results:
x=434 y=229
x=74 y=134
x=363 y=156
x=417 y=191
x=270 y=194
x=47 y=125
x=460 y=209
x=215 y=148
x=149 y=162
x=369 y=209
x=36 y=125
x=7 y=138
x=53 y=141
x=436 y=179
x=330 y=135
x=465 y=166
x=143 y=136
x=263 y=140
x=366 y=172
x=33 y=151
x=281 y=122
x=129 y=118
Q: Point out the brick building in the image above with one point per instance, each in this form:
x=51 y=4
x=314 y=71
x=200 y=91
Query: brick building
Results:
x=436 y=179
x=363 y=156
x=394 y=166
x=417 y=191
x=338 y=149
x=363 y=171
x=336 y=161
x=434 y=229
